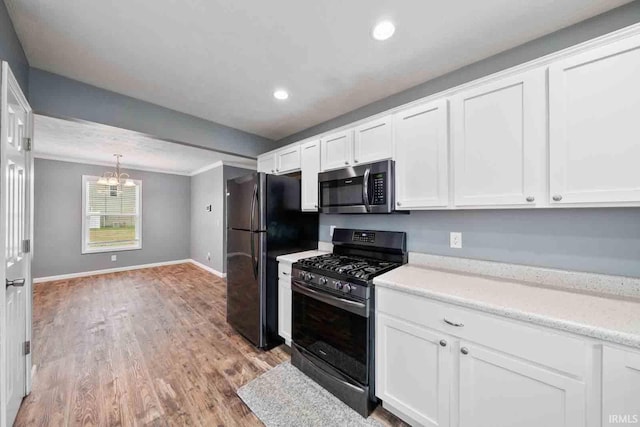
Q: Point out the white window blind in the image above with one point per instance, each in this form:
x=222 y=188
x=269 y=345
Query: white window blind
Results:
x=111 y=216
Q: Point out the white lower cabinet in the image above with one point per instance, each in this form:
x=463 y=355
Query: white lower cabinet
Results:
x=620 y=387
x=412 y=371
x=500 y=390
x=440 y=365
x=284 y=301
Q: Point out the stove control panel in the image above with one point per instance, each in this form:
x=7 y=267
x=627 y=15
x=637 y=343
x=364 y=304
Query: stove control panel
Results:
x=364 y=237
x=331 y=285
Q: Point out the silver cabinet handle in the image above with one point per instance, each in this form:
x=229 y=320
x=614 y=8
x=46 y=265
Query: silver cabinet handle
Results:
x=443 y=343
x=449 y=322
x=464 y=350
x=285 y=273
x=17 y=283
x=557 y=198
x=531 y=199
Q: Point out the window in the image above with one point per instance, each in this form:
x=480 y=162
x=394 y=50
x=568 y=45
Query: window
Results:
x=111 y=216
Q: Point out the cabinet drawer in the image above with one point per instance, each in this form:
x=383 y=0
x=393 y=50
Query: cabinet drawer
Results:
x=284 y=271
x=534 y=343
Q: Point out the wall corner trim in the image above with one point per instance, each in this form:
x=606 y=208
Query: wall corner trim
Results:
x=107 y=270
x=206 y=267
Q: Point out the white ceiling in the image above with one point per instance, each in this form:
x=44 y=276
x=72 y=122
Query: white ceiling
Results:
x=221 y=60
x=96 y=143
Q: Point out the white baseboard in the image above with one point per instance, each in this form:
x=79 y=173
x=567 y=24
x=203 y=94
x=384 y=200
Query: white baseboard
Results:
x=108 y=270
x=209 y=269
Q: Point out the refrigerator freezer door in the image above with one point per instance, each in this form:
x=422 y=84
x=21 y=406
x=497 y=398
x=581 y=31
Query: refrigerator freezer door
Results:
x=245 y=284
x=243 y=202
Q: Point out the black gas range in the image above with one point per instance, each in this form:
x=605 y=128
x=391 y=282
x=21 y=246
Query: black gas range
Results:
x=333 y=312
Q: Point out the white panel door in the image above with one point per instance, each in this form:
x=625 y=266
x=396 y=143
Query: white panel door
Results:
x=310 y=165
x=336 y=150
x=373 y=141
x=499 y=142
x=620 y=387
x=288 y=159
x=594 y=111
x=498 y=390
x=15 y=161
x=267 y=163
x=413 y=371
x=284 y=310
x=421 y=154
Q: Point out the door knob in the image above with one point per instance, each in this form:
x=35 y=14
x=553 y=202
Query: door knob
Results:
x=17 y=283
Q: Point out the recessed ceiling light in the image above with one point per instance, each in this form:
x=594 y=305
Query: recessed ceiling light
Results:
x=280 y=94
x=383 y=30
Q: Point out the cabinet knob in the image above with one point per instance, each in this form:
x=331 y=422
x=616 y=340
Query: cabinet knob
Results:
x=557 y=198
x=531 y=199
x=272 y=171
x=277 y=170
x=464 y=350
x=355 y=161
x=346 y=163
x=443 y=343
x=398 y=203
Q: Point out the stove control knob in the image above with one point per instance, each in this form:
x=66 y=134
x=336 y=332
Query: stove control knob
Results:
x=301 y=274
x=310 y=277
x=347 y=288
x=323 y=280
x=337 y=284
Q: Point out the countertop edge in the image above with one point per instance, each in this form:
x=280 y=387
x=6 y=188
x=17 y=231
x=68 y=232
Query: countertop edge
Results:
x=612 y=336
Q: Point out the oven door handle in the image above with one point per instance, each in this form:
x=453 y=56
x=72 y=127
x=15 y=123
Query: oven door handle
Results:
x=354 y=307
x=365 y=189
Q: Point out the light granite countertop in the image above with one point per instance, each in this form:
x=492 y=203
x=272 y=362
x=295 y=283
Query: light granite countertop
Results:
x=601 y=316
x=291 y=258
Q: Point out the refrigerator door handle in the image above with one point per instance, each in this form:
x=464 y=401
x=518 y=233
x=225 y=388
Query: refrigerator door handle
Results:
x=254 y=201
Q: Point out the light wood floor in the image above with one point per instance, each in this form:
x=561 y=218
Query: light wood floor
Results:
x=144 y=347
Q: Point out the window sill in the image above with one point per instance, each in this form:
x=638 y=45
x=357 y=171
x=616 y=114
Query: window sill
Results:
x=111 y=249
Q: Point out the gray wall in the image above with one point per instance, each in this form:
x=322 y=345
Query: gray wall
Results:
x=11 y=50
x=58 y=96
x=602 y=24
x=58 y=219
x=208 y=229
x=596 y=240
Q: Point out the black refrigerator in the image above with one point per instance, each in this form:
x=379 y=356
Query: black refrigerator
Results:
x=264 y=220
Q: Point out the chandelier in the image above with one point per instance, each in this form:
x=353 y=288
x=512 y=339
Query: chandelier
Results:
x=116 y=178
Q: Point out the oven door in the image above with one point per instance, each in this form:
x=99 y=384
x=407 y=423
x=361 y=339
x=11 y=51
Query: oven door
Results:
x=334 y=329
x=358 y=189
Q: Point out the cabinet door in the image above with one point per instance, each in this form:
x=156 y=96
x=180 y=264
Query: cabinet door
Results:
x=620 y=387
x=413 y=371
x=284 y=310
x=594 y=111
x=501 y=391
x=310 y=162
x=421 y=153
x=267 y=163
x=499 y=142
x=288 y=159
x=337 y=150
x=373 y=141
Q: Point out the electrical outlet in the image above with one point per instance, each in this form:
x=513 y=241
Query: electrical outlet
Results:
x=208 y=256
x=114 y=257
x=455 y=240
x=331 y=228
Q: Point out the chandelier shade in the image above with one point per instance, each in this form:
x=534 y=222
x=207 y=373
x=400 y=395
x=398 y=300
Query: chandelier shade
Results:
x=116 y=178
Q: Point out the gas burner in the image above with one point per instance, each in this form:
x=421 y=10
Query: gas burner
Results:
x=358 y=267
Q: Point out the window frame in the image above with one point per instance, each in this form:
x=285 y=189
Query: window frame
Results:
x=85 y=220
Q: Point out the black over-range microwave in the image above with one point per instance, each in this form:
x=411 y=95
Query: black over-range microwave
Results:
x=365 y=188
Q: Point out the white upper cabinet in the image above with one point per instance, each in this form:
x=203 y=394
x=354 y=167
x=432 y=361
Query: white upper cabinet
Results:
x=310 y=162
x=267 y=163
x=620 y=387
x=421 y=154
x=336 y=150
x=594 y=118
x=288 y=159
x=499 y=135
x=373 y=141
